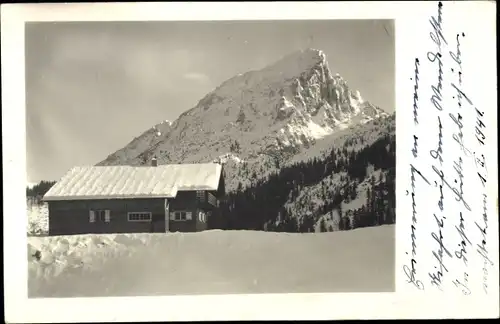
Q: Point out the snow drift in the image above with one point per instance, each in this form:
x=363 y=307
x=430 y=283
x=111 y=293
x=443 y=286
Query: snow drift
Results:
x=38 y=218
x=211 y=262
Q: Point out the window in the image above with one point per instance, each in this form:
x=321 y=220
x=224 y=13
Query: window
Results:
x=180 y=215
x=103 y=216
x=200 y=195
x=139 y=217
x=202 y=217
x=212 y=200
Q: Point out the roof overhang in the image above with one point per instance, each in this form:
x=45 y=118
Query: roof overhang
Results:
x=144 y=182
x=117 y=197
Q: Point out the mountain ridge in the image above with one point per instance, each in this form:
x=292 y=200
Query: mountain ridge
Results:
x=271 y=113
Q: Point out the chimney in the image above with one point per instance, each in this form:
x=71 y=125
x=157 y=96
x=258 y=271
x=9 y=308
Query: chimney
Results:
x=154 y=161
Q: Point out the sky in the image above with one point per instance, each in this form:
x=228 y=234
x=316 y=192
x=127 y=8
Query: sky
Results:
x=91 y=87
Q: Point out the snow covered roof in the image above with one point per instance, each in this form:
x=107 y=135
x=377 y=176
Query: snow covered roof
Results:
x=126 y=182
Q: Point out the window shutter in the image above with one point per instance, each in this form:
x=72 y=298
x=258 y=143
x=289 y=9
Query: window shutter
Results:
x=91 y=216
x=107 y=216
x=172 y=216
x=189 y=215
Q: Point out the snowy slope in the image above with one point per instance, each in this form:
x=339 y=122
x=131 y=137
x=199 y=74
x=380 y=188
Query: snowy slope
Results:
x=38 y=218
x=354 y=138
x=362 y=188
x=312 y=198
x=272 y=113
x=150 y=138
x=211 y=262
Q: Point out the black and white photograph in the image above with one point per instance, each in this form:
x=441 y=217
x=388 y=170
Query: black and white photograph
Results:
x=208 y=161
x=210 y=157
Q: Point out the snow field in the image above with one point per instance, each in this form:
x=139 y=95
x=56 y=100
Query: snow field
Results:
x=212 y=262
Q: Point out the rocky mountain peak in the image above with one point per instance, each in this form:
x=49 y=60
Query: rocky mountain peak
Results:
x=283 y=107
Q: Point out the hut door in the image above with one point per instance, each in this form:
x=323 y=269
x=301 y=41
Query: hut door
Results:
x=167 y=218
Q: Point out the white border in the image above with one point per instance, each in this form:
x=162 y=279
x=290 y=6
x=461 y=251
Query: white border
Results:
x=409 y=17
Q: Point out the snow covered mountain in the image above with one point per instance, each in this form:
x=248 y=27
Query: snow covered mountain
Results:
x=260 y=117
x=150 y=138
x=302 y=151
x=344 y=183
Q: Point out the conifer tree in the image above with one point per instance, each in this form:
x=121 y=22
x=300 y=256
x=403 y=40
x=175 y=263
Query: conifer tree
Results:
x=322 y=225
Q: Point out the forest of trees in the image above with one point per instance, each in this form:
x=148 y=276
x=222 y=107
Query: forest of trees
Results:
x=38 y=190
x=258 y=206
x=235 y=147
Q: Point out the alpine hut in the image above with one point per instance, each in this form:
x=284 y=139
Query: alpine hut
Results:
x=135 y=199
